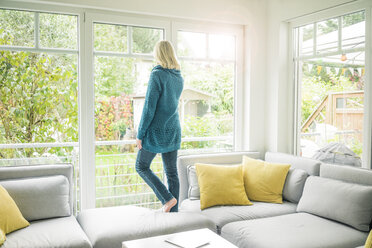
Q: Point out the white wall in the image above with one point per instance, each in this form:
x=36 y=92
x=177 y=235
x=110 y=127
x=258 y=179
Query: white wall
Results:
x=230 y=11
x=255 y=87
x=279 y=85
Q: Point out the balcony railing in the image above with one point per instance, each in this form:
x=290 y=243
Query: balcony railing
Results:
x=117 y=182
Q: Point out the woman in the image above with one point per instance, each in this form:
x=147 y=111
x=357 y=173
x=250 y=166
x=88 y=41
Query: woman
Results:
x=159 y=130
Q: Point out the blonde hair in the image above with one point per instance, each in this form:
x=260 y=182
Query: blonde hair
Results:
x=165 y=55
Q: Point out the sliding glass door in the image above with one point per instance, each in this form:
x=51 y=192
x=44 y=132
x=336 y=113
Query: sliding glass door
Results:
x=123 y=61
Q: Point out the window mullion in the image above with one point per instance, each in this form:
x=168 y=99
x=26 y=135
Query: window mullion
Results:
x=314 y=41
x=207 y=45
x=339 y=42
x=37 y=32
x=129 y=39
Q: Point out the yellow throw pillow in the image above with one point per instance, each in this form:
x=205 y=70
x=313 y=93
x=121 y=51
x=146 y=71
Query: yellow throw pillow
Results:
x=221 y=185
x=369 y=241
x=11 y=218
x=264 y=181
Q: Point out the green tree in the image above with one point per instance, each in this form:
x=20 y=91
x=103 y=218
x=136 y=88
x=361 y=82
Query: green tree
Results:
x=315 y=87
x=213 y=78
x=353 y=18
x=38 y=98
x=144 y=39
x=20 y=24
x=327 y=26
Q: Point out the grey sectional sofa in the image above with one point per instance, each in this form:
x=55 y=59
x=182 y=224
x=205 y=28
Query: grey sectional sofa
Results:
x=44 y=195
x=317 y=211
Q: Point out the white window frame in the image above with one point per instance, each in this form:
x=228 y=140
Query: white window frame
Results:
x=223 y=29
x=52 y=9
x=89 y=196
x=324 y=15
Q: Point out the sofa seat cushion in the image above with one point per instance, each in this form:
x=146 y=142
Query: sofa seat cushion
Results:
x=57 y=232
x=293 y=231
x=109 y=227
x=221 y=215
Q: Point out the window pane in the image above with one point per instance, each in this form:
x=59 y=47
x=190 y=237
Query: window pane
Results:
x=120 y=88
x=353 y=29
x=58 y=31
x=327 y=36
x=207 y=103
x=306 y=42
x=144 y=39
x=17 y=28
x=332 y=93
x=118 y=183
x=221 y=46
x=41 y=107
x=332 y=104
x=113 y=76
x=120 y=83
x=191 y=44
x=110 y=38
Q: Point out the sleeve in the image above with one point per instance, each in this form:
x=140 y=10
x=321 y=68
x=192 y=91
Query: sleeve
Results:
x=151 y=100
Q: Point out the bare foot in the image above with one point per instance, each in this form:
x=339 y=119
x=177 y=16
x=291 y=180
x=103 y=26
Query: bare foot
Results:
x=169 y=205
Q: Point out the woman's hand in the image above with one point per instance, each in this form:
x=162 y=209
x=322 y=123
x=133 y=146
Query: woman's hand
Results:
x=139 y=144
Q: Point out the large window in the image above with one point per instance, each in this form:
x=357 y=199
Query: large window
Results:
x=208 y=64
x=38 y=88
x=330 y=69
x=73 y=85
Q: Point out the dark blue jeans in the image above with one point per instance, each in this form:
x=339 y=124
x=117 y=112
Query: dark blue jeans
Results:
x=144 y=159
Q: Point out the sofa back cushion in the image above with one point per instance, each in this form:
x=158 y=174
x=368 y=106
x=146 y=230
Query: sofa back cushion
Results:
x=40 y=197
x=31 y=171
x=346 y=173
x=294 y=185
x=301 y=168
x=309 y=165
x=344 y=202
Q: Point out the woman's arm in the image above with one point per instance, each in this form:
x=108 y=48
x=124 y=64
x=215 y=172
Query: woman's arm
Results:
x=152 y=97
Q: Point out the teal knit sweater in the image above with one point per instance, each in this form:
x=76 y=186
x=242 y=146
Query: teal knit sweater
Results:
x=160 y=129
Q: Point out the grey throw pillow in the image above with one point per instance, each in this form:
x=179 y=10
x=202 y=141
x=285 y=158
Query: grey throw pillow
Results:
x=40 y=197
x=294 y=185
x=194 y=190
x=347 y=203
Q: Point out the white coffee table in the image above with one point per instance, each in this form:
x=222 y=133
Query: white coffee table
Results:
x=215 y=241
